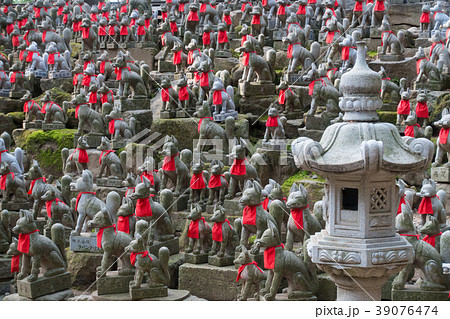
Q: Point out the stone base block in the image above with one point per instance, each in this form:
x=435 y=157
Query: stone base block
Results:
x=316 y=122
x=429 y=85
x=85 y=242
x=59 y=75
x=280 y=45
x=327 y=288
x=112 y=46
x=390 y=57
x=181 y=113
x=412 y=293
x=133 y=104
x=220 y=261
x=16 y=94
x=256 y=89
x=168 y=115
x=43 y=286
x=5 y=268
x=4 y=93
x=441 y=174
x=53 y=126
x=295 y=78
x=113 y=283
x=57 y=296
x=148 y=291
x=275 y=145
x=255 y=104
x=196 y=259
x=172 y=295
x=389 y=107
x=375 y=33
x=32 y=125
x=182 y=202
x=165 y=66
x=109 y=182
x=118 y=144
x=221 y=117
x=232 y=206
x=93 y=140
x=102 y=46
x=279 y=34
x=285 y=297
x=173 y=245
x=14 y=206
x=223 y=54
x=209 y=282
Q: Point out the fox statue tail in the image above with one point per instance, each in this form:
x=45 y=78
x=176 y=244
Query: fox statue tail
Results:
x=113 y=202
x=163 y=256
x=57 y=231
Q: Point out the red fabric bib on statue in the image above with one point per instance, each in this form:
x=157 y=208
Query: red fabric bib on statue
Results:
x=418 y=65
x=111 y=125
x=183 y=93
x=134 y=255
x=206 y=38
x=217 y=97
x=169 y=163
x=217 y=230
x=30 y=191
x=358 y=7
x=227 y=19
x=246 y=58
x=24 y=242
x=345 y=53
x=100 y=234
x=15 y=261
x=223 y=37
x=148 y=176
x=409 y=130
x=269 y=256
x=403 y=107
x=141 y=30
x=143 y=207
x=422 y=110
x=103 y=154
x=402 y=201
x=297 y=216
x=431 y=239
x=330 y=36
x=425 y=206
x=197 y=181
x=79 y=197
x=48 y=206
x=241 y=269
x=3 y=180
x=256 y=20
x=215 y=181
x=281 y=97
x=249 y=215
x=193 y=231
x=379 y=6
x=93 y=98
x=265 y=203
x=173 y=27
x=272 y=121
x=123 y=223
x=204 y=79
x=85 y=33
x=301 y=10
x=443 y=135
x=82 y=155
x=238 y=167
x=425 y=17
x=281 y=10
x=200 y=122
x=193 y=16
x=165 y=96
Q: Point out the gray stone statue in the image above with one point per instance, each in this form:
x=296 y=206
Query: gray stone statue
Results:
x=224 y=236
x=12 y=186
x=199 y=233
x=173 y=167
x=252 y=276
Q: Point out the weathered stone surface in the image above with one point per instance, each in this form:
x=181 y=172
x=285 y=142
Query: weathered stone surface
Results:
x=82 y=266
x=404 y=15
x=173 y=295
x=196 y=259
x=102 y=192
x=57 y=296
x=440 y=174
x=148 y=291
x=85 y=242
x=113 y=283
x=327 y=288
x=6 y=123
x=8 y=105
x=256 y=89
x=210 y=282
x=144 y=119
x=412 y=293
x=386 y=291
x=5 y=267
x=175 y=261
x=232 y=206
x=220 y=261
x=43 y=286
x=315 y=135
x=225 y=63
x=281 y=61
x=398 y=69
x=65 y=84
x=172 y=245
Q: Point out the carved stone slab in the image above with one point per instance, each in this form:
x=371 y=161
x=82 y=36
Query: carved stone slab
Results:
x=113 y=283
x=220 y=261
x=32 y=125
x=109 y=182
x=441 y=174
x=196 y=259
x=148 y=291
x=43 y=285
x=84 y=243
x=53 y=126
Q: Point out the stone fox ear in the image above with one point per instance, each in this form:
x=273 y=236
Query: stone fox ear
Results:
x=248 y=184
x=294 y=188
x=257 y=187
x=303 y=189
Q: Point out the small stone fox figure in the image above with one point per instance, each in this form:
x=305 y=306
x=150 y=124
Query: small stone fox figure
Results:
x=432 y=233
x=252 y=276
x=156 y=269
x=12 y=186
x=301 y=223
x=57 y=210
x=301 y=278
x=199 y=233
x=126 y=220
x=148 y=169
x=433 y=203
x=426 y=258
x=218 y=183
x=78 y=160
x=198 y=184
x=443 y=142
x=413 y=129
x=112 y=242
x=173 y=167
x=38 y=250
x=110 y=163
x=225 y=238
x=275 y=125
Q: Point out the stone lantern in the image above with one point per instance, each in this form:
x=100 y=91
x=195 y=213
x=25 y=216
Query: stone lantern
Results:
x=360 y=158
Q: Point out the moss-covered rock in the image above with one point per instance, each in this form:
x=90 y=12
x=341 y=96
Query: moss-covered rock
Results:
x=313 y=183
x=443 y=101
x=45 y=147
x=17 y=117
x=65 y=84
x=57 y=95
x=389 y=117
x=8 y=105
x=76 y=48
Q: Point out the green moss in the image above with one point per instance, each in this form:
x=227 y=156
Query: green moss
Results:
x=389 y=117
x=17 y=117
x=76 y=48
x=237 y=30
x=46 y=147
x=235 y=54
x=442 y=102
x=302 y=175
x=372 y=54
x=252 y=239
x=57 y=95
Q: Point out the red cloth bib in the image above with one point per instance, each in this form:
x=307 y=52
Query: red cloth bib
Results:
x=290 y=49
x=102 y=67
x=269 y=256
x=124 y=30
x=79 y=197
x=27 y=107
x=379 y=6
x=411 y=235
x=215 y=181
x=111 y=125
x=297 y=216
x=425 y=17
x=148 y=176
x=265 y=203
x=193 y=231
x=223 y=37
x=82 y=155
x=100 y=234
x=85 y=33
x=425 y=206
x=15 y=41
x=402 y=201
x=418 y=65
x=403 y=107
x=249 y=215
x=112 y=30
x=206 y=38
x=93 y=97
x=193 y=15
x=301 y=10
x=173 y=27
x=13 y=76
x=105 y=154
x=134 y=255
x=141 y=30
x=241 y=268
x=330 y=36
x=197 y=181
x=443 y=135
x=358 y=7
x=181 y=7
x=272 y=121
x=3 y=180
x=48 y=206
x=164 y=16
x=281 y=10
x=345 y=53
x=256 y=19
x=123 y=223
x=431 y=239
x=217 y=97
x=243 y=6
x=30 y=55
x=169 y=163
x=118 y=72
x=177 y=57
x=75 y=78
x=200 y=122
x=143 y=207
x=246 y=57
x=104 y=97
x=282 y=97
x=311 y=86
x=15 y=261
x=217 y=230
x=204 y=79
x=165 y=96
x=227 y=19
x=86 y=80
x=409 y=130
x=24 y=242
x=422 y=110
x=183 y=93
x=30 y=191
x=238 y=167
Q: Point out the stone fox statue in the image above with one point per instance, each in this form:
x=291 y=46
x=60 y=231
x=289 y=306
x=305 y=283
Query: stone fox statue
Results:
x=251 y=275
x=174 y=168
x=132 y=83
x=224 y=236
x=38 y=250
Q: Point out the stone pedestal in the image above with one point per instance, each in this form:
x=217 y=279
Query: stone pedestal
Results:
x=172 y=295
x=256 y=89
x=422 y=41
x=276 y=145
x=43 y=286
x=5 y=274
x=113 y=283
x=182 y=202
x=148 y=291
x=429 y=85
x=13 y=206
x=201 y=258
x=32 y=125
x=16 y=94
x=133 y=104
x=4 y=93
x=173 y=245
x=59 y=75
x=221 y=117
x=375 y=33
x=413 y=293
x=85 y=242
x=223 y=54
x=165 y=66
x=112 y=46
x=390 y=57
x=279 y=34
x=167 y=115
x=441 y=174
x=93 y=139
x=220 y=261
x=53 y=126
x=109 y=182
x=232 y=206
